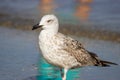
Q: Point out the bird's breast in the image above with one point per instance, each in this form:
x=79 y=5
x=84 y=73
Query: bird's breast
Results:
x=47 y=44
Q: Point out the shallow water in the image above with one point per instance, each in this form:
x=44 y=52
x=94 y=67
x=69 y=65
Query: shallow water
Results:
x=20 y=58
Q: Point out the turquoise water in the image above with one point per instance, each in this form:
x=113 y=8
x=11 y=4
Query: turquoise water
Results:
x=50 y=72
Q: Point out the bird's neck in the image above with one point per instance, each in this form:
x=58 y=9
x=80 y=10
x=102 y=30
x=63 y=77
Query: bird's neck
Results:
x=49 y=32
x=52 y=31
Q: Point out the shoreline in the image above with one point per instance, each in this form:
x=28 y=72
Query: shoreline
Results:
x=69 y=29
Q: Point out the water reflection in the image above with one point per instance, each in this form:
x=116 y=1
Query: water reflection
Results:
x=83 y=9
x=49 y=72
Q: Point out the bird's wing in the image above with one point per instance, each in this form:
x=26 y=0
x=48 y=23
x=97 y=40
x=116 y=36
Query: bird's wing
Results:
x=76 y=49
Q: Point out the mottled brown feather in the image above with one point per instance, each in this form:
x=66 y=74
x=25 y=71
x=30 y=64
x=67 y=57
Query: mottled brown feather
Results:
x=76 y=49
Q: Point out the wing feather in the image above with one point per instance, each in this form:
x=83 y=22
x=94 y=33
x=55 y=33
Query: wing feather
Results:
x=76 y=49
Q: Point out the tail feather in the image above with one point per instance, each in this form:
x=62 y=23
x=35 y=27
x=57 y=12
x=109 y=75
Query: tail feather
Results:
x=99 y=62
x=107 y=63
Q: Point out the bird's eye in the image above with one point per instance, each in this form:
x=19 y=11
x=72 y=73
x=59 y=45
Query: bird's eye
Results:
x=50 y=20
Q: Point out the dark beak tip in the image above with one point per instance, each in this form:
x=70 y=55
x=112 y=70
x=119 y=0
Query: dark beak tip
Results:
x=35 y=26
x=32 y=28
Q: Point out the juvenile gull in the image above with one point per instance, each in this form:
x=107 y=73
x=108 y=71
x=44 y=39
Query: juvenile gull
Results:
x=63 y=51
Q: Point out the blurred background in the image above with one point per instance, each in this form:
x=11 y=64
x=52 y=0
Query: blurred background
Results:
x=95 y=23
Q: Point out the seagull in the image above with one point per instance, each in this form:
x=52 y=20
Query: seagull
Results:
x=64 y=51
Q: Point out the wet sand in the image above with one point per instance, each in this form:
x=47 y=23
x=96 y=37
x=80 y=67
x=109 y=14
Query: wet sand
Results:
x=20 y=58
x=18 y=54
x=70 y=29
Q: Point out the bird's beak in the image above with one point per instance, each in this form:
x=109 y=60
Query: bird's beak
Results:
x=36 y=26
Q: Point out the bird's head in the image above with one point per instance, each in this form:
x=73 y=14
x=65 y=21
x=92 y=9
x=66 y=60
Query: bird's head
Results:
x=49 y=22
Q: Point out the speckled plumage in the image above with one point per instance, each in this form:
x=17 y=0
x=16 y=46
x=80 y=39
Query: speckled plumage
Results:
x=63 y=51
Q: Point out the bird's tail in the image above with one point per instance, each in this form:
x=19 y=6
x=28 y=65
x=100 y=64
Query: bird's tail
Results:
x=106 y=63
x=99 y=62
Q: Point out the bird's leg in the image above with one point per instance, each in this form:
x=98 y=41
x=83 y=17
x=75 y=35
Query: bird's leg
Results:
x=65 y=73
x=61 y=72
